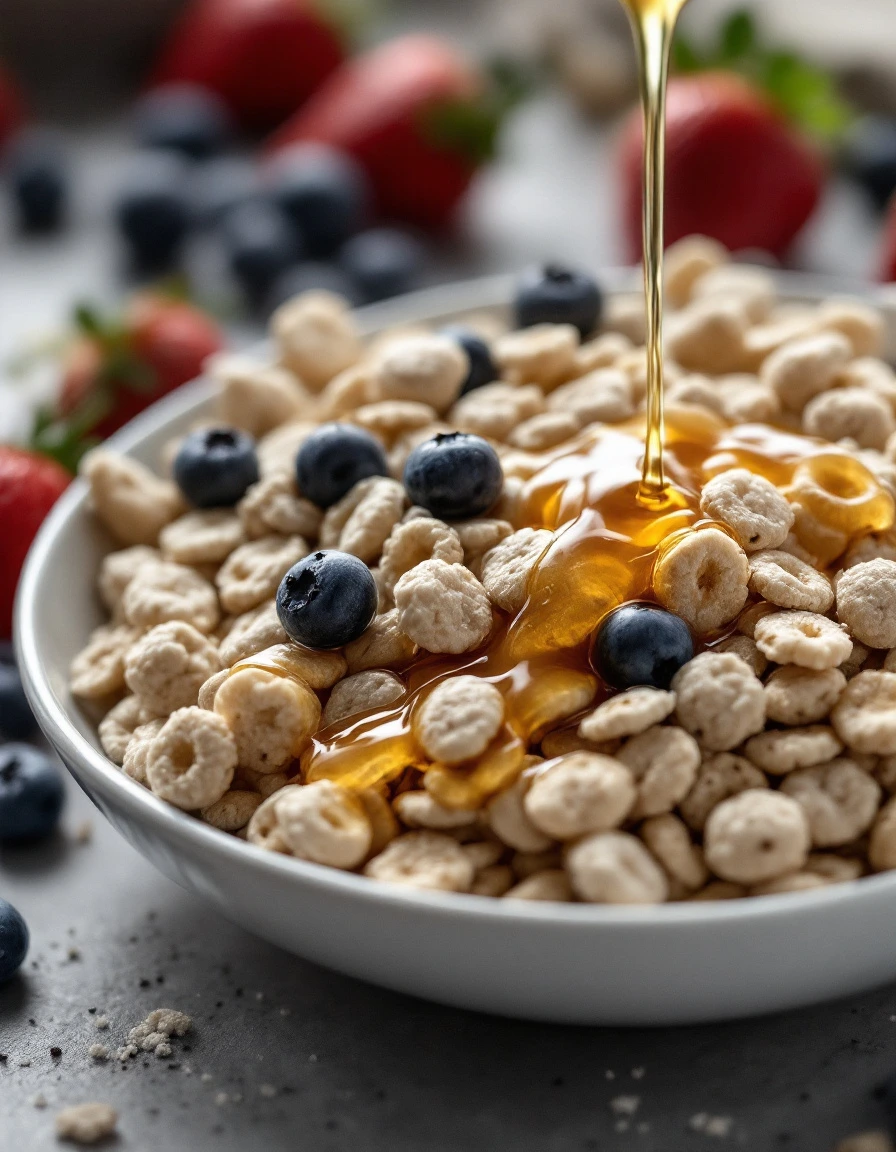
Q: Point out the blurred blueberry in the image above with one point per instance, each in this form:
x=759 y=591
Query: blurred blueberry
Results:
x=31 y=793
x=483 y=369
x=184 y=118
x=13 y=940
x=16 y=719
x=870 y=156
x=557 y=294
x=219 y=184
x=152 y=209
x=260 y=244
x=383 y=262
x=37 y=169
x=311 y=276
x=323 y=191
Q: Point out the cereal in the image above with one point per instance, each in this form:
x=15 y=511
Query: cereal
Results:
x=118 y=726
x=252 y=572
x=86 y=1123
x=750 y=287
x=839 y=799
x=686 y=261
x=543 y=354
x=664 y=763
x=443 y=607
x=792 y=882
x=578 y=794
x=508 y=819
x=382 y=645
x=745 y=400
x=495 y=410
x=277 y=451
x=264 y=828
x=781 y=751
x=204 y=536
x=866 y=602
x=745 y=649
x=702 y=577
x=882 y=844
x=362 y=692
x=669 y=841
x=494 y=880
x=256 y=397
x=804 y=638
x=363 y=519
x=420 y=810
x=855 y=661
x=413 y=542
x=750 y=506
x=118 y=569
x=390 y=419
x=318 y=669
x=167 y=591
x=796 y=696
x=477 y=537
x=136 y=754
x=719 y=700
x=720 y=776
x=324 y=823
x=788 y=582
x=805 y=367
x=233 y=811
x=627 y=714
x=546 y=430
x=550 y=884
x=428 y=368
x=271 y=718
x=836 y=869
x=856 y=413
x=615 y=868
x=506 y=568
x=601 y=352
x=756 y=836
x=129 y=500
x=191 y=762
x=861 y=324
x=459 y=719
x=604 y=395
x=252 y=632
x=865 y=715
x=167 y=667
x=98 y=670
x=274 y=507
x=720 y=890
x=423 y=860
x=708 y=336
x=315 y=337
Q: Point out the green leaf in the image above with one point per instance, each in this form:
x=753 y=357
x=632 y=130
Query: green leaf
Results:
x=738 y=37
x=685 y=57
x=465 y=127
x=805 y=94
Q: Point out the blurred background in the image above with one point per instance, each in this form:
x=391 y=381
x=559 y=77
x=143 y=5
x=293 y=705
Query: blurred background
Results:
x=221 y=155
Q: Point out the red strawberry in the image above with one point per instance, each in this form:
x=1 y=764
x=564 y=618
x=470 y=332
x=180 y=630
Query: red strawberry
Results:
x=29 y=487
x=888 y=245
x=263 y=57
x=12 y=109
x=735 y=170
x=416 y=115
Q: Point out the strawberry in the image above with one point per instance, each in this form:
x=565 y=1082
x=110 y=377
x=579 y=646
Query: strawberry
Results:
x=416 y=116
x=263 y=57
x=12 y=109
x=888 y=245
x=29 y=487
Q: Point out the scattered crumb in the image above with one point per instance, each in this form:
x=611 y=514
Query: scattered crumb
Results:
x=84 y=832
x=101 y=1023
x=621 y=1126
x=206 y=1077
x=625 y=1105
x=637 y=1073
x=24 y=1062
x=221 y=1099
x=39 y=1101
x=259 y=995
x=312 y=1059
x=237 y=1098
x=98 y=1052
x=710 y=1125
x=154 y=1033
x=284 y=1011
x=609 y=1074
x=267 y=1090
x=86 y=1123
x=73 y=952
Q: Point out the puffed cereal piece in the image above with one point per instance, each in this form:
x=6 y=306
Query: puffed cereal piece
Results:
x=782 y=579
x=745 y=649
x=360 y=523
x=209 y=689
x=495 y=410
x=382 y=645
x=324 y=823
x=362 y=692
x=477 y=537
x=203 y=536
x=874 y=546
x=543 y=354
x=696 y=391
x=686 y=261
x=257 y=397
x=167 y=591
x=720 y=890
x=136 y=754
x=839 y=799
x=780 y=751
x=316 y=337
x=264 y=829
x=835 y=869
x=191 y=762
x=86 y=1123
x=118 y=569
x=98 y=669
x=316 y=668
x=544 y=431
x=703 y=578
x=856 y=414
x=167 y=667
x=507 y=817
x=787 y=322
x=550 y=884
x=882 y=843
x=443 y=607
x=273 y=506
x=751 y=287
x=579 y=793
x=708 y=336
x=624 y=314
x=718 y=700
x=804 y=638
x=866 y=602
x=876 y=1141
x=233 y=811
x=277 y=451
x=412 y=542
x=669 y=841
x=820 y=543
x=252 y=573
x=118 y=726
x=601 y=352
x=865 y=715
x=459 y=719
x=797 y=696
x=428 y=368
x=507 y=567
x=756 y=836
x=347 y=391
x=605 y=395
x=792 y=882
x=615 y=868
x=494 y=880
x=133 y=503
x=627 y=714
x=664 y=763
x=271 y=717
x=420 y=810
x=862 y=325
x=855 y=661
x=390 y=419
x=750 y=617
x=252 y=632
x=805 y=367
x=745 y=400
x=750 y=506
x=429 y=860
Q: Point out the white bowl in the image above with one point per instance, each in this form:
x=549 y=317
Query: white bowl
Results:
x=679 y=963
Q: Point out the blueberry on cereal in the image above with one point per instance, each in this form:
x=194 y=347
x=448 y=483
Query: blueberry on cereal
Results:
x=483 y=369
x=13 y=940
x=215 y=466
x=455 y=476
x=31 y=794
x=641 y=644
x=333 y=459
x=554 y=294
x=327 y=599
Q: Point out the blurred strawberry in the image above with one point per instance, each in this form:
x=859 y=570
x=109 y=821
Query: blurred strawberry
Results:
x=29 y=487
x=263 y=57
x=12 y=109
x=417 y=116
x=888 y=245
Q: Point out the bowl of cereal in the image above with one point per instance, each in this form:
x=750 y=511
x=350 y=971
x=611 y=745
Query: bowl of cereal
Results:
x=368 y=640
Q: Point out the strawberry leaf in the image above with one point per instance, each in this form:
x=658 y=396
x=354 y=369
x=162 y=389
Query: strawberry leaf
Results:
x=738 y=37
x=471 y=127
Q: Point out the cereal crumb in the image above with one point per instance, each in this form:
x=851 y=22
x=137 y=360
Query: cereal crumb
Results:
x=84 y=832
x=86 y=1123
x=625 y=1105
x=98 y=1052
x=153 y=1033
x=267 y=1090
x=101 y=1023
x=710 y=1125
x=39 y=1101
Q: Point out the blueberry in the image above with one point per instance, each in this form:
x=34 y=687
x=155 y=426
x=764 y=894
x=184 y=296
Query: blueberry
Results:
x=152 y=209
x=260 y=244
x=483 y=369
x=37 y=169
x=31 y=793
x=13 y=940
x=16 y=719
x=310 y=276
x=327 y=599
x=554 y=294
x=220 y=184
x=214 y=467
x=323 y=191
x=641 y=644
x=383 y=262
x=183 y=118
x=454 y=476
x=870 y=156
x=334 y=458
